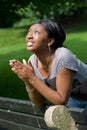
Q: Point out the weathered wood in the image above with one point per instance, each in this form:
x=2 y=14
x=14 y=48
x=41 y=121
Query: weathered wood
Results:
x=61 y=118
x=22 y=118
x=58 y=117
x=16 y=114
x=20 y=114
x=10 y=125
x=82 y=127
x=79 y=115
x=19 y=105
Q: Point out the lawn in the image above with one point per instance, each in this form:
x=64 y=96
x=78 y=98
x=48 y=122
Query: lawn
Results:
x=77 y=41
x=12 y=46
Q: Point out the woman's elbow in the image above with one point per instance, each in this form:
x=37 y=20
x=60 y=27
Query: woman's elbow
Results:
x=62 y=101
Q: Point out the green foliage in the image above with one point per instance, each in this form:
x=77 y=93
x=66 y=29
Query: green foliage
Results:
x=56 y=9
x=9 y=11
x=12 y=11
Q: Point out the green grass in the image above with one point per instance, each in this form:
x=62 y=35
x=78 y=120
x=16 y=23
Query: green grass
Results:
x=11 y=39
x=12 y=46
x=76 y=41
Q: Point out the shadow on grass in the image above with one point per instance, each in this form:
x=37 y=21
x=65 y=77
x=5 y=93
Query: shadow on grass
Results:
x=70 y=25
x=10 y=84
x=75 y=24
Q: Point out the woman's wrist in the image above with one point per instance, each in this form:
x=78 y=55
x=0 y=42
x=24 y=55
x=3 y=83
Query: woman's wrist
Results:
x=32 y=80
x=29 y=87
x=30 y=90
x=30 y=84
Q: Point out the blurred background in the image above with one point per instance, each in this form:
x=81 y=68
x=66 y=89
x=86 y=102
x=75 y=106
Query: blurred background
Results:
x=15 y=18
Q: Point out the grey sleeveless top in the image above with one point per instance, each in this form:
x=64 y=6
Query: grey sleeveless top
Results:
x=65 y=58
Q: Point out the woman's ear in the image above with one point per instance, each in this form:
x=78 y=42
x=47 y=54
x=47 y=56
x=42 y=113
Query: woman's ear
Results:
x=51 y=41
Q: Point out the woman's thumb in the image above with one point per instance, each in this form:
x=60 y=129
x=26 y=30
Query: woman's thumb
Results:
x=24 y=62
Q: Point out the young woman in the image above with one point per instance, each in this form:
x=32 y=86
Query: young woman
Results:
x=53 y=72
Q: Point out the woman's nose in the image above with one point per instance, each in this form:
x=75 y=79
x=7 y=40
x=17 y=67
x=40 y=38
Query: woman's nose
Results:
x=29 y=35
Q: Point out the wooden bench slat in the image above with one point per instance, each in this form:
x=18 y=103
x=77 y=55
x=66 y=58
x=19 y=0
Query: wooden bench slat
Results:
x=79 y=115
x=9 y=125
x=3 y=128
x=22 y=118
x=19 y=105
x=82 y=127
x=17 y=114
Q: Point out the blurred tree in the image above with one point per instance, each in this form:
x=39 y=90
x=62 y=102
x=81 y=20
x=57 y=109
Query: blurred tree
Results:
x=8 y=11
x=13 y=10
x=57 y=8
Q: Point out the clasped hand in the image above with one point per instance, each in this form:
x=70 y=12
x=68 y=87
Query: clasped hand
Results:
x=23 y=70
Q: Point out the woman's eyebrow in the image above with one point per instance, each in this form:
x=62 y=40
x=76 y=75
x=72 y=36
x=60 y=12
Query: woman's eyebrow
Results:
x=36 y=28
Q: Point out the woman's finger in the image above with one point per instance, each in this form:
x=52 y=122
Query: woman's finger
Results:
x=24 y=62
x=12 y=62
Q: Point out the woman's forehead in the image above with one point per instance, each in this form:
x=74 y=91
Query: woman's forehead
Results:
x=36 y=26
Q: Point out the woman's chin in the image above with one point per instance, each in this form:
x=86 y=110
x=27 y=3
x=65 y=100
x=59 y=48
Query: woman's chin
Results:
x=30 y=49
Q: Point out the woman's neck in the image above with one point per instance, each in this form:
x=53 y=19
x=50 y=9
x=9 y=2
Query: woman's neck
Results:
x=45 y=59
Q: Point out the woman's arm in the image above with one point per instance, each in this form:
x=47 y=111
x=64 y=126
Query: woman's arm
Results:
x=34 y=95
x=63 y=84
x=24 y=72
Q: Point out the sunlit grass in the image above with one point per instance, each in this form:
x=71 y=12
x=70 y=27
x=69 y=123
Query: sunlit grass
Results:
x=11 y=40
x=76 y=41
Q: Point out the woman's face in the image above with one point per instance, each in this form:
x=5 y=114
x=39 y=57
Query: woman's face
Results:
x=37 y=38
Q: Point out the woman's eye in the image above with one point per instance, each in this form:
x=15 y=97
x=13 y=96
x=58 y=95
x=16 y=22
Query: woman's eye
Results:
x=36 y=32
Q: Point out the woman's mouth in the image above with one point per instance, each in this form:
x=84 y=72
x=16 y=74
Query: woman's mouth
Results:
x=29 y=43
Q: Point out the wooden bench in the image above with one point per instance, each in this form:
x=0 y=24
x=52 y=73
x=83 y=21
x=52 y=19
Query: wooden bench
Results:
x=16 y=114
